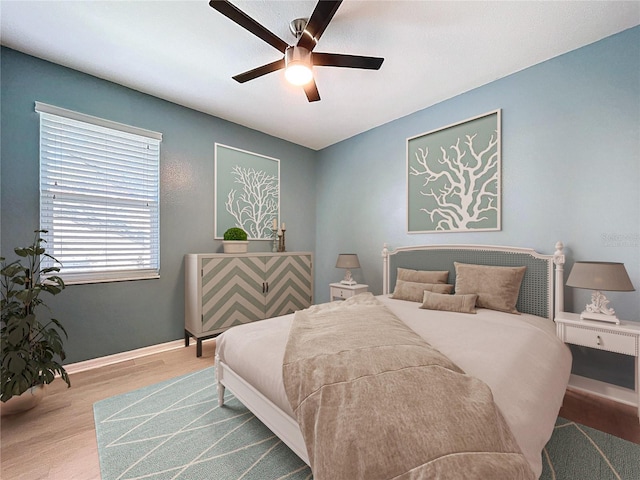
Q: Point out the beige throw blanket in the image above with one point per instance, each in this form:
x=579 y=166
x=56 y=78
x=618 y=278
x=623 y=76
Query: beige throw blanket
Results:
x=375 y=401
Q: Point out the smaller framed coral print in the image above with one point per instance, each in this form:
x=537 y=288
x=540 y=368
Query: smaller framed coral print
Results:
x=453 y=177
x=247 y=192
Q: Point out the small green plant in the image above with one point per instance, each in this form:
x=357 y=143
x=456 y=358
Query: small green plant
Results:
x=30 y=349
x=235 y=233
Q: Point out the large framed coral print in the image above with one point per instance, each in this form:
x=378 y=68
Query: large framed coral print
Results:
x=453 y=177
x=247 y=192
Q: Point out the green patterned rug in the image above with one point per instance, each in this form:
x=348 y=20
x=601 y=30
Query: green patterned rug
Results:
x=174 y=430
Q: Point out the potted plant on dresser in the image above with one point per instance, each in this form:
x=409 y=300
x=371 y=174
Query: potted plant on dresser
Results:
x=235 y=240
x=31 y=347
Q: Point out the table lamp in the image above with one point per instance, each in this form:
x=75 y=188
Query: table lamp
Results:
x=348 y=261
x=598 y=276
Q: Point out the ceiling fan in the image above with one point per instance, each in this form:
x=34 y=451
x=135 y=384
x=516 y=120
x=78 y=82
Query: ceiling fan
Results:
x=298 y=59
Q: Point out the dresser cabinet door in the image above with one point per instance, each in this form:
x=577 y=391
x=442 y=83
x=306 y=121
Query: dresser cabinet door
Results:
x=232 y=292
x=289 y=282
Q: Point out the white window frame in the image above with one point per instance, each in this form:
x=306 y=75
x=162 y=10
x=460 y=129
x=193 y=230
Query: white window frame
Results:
x=99 y=197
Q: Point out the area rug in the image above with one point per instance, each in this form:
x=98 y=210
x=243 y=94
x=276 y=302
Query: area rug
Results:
x=175 y=430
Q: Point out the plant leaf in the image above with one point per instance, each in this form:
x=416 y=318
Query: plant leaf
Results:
x=14 y=363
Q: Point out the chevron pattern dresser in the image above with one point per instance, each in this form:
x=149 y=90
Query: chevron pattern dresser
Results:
x=223 y=290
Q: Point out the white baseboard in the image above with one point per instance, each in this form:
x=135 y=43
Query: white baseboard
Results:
x=604 y=390
x=122 y=357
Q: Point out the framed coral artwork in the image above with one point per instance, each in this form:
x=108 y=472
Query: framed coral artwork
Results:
x=453 y=177
x=247 y=192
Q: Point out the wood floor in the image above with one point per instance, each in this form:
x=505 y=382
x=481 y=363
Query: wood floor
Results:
x=57 y=439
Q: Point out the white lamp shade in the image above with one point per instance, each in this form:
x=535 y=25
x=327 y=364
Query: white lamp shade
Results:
x=605 y=276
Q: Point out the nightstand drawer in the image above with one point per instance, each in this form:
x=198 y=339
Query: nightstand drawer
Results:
x=609 y=341
x=340 y=293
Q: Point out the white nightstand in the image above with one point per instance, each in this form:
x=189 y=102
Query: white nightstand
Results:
x=623 y=338
x=340 y=290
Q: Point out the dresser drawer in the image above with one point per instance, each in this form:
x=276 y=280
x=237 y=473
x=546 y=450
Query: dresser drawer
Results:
x=609 y=341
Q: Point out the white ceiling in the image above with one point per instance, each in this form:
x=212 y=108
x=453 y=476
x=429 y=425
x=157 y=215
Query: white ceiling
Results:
x=185 y=52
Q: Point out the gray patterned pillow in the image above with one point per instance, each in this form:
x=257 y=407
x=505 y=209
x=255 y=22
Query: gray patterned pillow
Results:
x=422 y=276
x=449 y=303
x=497 y=287
x=412 y=291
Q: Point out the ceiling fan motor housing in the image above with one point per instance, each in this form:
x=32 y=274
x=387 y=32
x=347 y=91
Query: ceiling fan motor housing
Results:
x=295 y=54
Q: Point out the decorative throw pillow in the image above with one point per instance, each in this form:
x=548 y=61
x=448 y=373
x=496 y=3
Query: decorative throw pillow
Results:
x=413 y=291
x=422 y=276
x=449 y=303
x=497 y=287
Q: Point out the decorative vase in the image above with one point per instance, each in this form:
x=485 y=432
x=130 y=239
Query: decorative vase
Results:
x=235 y=246
x=24 y=402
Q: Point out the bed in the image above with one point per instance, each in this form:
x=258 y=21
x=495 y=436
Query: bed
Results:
x=518 y=356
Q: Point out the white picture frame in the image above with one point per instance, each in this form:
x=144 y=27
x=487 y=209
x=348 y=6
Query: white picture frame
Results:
x=454 y=177
x=246 y=192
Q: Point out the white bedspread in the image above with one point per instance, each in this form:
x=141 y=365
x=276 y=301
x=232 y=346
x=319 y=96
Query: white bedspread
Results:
x=519 y=356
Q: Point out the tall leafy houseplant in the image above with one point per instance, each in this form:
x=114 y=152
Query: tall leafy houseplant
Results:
x=31 y=348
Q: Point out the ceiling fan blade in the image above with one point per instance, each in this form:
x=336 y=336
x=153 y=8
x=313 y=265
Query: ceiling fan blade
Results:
x=259 y=71
x=248 y=23
x=318 y=22
x=349 y=61
x=311 y=91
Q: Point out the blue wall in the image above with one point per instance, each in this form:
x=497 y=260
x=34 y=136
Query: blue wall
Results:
x=103 y=319
x=570 y=172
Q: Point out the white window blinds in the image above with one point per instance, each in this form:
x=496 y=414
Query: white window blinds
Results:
x=99 y=197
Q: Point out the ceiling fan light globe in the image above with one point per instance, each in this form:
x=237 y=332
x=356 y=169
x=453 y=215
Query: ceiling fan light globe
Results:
x=298 y=65
x=298 y=74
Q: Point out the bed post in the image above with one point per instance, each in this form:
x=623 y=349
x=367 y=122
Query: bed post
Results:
x=385 y=269
x=558 y=260
x=219 y=385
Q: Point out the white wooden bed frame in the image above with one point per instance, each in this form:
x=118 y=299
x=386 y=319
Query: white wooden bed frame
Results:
x=286 y=427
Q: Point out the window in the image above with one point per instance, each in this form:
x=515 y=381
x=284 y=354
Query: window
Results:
x=99 y=197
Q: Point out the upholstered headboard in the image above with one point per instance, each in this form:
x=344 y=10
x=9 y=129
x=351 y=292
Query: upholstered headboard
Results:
x=541 y=292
